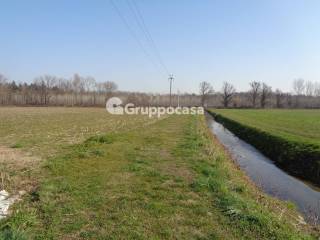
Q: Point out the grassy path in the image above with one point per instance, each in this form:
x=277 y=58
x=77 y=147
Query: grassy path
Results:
x=164 y=181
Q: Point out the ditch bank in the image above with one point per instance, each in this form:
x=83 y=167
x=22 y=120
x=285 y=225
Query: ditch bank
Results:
x=299 y=159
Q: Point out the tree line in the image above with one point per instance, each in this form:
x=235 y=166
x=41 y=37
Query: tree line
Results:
x=49 y=90
x=305 y=94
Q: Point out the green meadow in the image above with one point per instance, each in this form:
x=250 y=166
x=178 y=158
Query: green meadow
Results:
x=294 y=125
x=291 y=138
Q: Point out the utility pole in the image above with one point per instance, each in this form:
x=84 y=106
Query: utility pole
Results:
x=178 y=98
x=171 y=80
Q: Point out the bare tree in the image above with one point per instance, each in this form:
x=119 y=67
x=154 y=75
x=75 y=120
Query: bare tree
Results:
x=3 y=89
x=289 y=99
x=91 y=87
x=132 y=98
x=78 y=83
x=3 y=79
x=317 y=89
x=89 y=84
x=310 y=88
x=228 y=91
x=45 y=84
x=205 y=90
x=298 y=86
x=84 y=91
x=254 y=92
x=107 y=88
x=64 y=85
x=279 y=98
x=265 y=94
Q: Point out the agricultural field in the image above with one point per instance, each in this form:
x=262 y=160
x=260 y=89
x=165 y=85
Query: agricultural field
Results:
x=294 y=125
x=30 y=135
x=291 y=138
x=45 y=130
x=100 y=176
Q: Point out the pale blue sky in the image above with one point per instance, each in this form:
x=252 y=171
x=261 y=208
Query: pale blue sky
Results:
x=206 y=40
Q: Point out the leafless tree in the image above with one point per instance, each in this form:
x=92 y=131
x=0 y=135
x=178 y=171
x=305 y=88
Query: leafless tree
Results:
x=82 y=91
x=289 y=100
x=310 y=88
x=78 y=83
x=132 y=98
x=45 y=84
x=205 y=90
x=3 y=88
x=228 y=91
x=279 y=98
x=317 y=89
x=89 y=84
x=3 y=79
x=107 y=88
x=299 y=86
x=265 y=94
x=91 y=88
x=78 y=87
x=254 y=92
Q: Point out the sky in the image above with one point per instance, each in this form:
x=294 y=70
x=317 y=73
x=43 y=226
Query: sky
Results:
x=206 y=40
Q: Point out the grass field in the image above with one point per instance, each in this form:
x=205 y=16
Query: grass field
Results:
x=43 y=131
x=147 y=179
x=296 y=125
x=291 y=138
x=29 y=135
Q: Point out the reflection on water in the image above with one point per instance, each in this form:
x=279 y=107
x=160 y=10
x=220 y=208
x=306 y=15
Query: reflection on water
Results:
x=266 y=174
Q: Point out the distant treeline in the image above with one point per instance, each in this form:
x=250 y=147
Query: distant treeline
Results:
x=48 y=90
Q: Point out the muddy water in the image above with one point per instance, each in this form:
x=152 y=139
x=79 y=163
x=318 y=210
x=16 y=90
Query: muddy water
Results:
x=266 y=174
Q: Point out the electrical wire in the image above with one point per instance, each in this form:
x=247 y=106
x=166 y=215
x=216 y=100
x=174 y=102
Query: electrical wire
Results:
x=141 y=22
x=134 y=35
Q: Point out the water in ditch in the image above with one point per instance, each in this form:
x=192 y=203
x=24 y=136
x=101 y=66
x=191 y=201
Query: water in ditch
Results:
x=266 y=174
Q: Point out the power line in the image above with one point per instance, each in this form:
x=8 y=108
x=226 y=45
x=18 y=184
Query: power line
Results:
x=150 y=37
x=171 y=78
x=133 y=34
x=141 y=22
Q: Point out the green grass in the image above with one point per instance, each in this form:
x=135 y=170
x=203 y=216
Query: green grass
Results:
x=171 y=180
x=294 y=125
x=288 y=137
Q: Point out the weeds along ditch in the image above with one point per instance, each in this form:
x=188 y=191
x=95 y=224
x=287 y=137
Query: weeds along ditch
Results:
x=297 y=158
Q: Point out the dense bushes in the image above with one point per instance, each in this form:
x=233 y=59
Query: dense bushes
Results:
x=300 y=159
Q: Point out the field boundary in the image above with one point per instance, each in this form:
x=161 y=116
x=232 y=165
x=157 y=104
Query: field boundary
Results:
x=299 y=159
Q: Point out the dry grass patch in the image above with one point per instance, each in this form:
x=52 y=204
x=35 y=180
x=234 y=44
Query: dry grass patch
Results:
x=17 y=159
x=45 y=131
x=15 y=166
